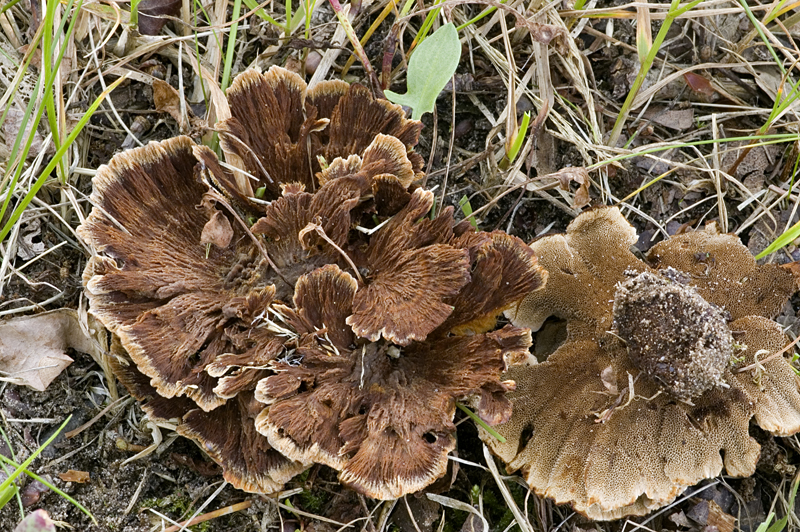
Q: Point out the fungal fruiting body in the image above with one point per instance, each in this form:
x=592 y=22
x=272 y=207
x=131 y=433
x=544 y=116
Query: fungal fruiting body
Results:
x=665 y=363
x=306 y=275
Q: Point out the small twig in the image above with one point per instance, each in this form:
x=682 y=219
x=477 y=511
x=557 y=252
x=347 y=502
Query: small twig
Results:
x=363 y=352
x=231 y=136
x=238 y=507
x=43 y=420
x=307 y=514
x=136 y=493
x=449 y=147
x=155 y=432
x=605 y=415
x=94 y=420
x=317 y=227
x=411 y=514
x=386 y=511
x=357 y=48
x=511 y=504
x=759 y=363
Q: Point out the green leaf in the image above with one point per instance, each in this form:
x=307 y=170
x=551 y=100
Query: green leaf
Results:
x=431 y=66
x=466 y=208
x=252 y=4
x=7 y=494
x=763 y=526
x=54 y=489
x=21 y=468
x=23 y=204
x=519 y=136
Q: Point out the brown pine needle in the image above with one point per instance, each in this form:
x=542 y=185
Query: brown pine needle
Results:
x=211 y=515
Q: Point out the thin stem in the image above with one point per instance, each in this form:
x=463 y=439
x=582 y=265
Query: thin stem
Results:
x=357 y=48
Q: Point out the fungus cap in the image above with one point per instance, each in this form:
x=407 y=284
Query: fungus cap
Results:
x=190 y=269
x=183 y=283
x=381 y=414
x=333 y=119
x=591 y=428
x=227 y=433
x=586 y=263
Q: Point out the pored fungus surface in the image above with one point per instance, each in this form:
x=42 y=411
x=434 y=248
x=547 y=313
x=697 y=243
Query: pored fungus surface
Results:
x=665 y=363
x=308 y=274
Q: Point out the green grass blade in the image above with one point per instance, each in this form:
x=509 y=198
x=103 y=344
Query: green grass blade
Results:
x=780 y=524
x=674 y=12
x=764 y=38
x=788 y=236
x=252 y=4
x=15 y=154
x=20 y=208
x=5 y=469
x=483 y=14
x=762 y=140
x=466 y=208
x=8 y=493
x=50 y=71
x=303 y=7
x=406 y=8
x=481 y=422
x=18 y=156
x=52 y=487
x=426 y=25
x=8 y=6
x=763 y=526
x=231 y=48
x=134 y=20
x=24 y=465
x=519 y=137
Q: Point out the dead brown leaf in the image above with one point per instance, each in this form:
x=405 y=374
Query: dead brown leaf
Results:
x=719 y=519
x=699 y=84
x=81 y=477
x=12 y=126
x=680 y=119
x=31 y=230
x=543 y=33
x=150 y=14
x=167 y=100
x=609 y=380
x=217 y=231
x=32 y=348
x=579 y=175
x=710 y=516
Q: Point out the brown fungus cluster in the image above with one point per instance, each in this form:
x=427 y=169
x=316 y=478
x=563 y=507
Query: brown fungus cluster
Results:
x=301 y=304
x=662 y=366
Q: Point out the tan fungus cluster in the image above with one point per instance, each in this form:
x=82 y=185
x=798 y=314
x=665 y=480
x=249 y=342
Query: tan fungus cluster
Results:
x=304 y=305
x=663 y=365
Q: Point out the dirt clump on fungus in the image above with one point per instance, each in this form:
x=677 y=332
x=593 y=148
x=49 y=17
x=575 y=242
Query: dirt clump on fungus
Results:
x=673 y=334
